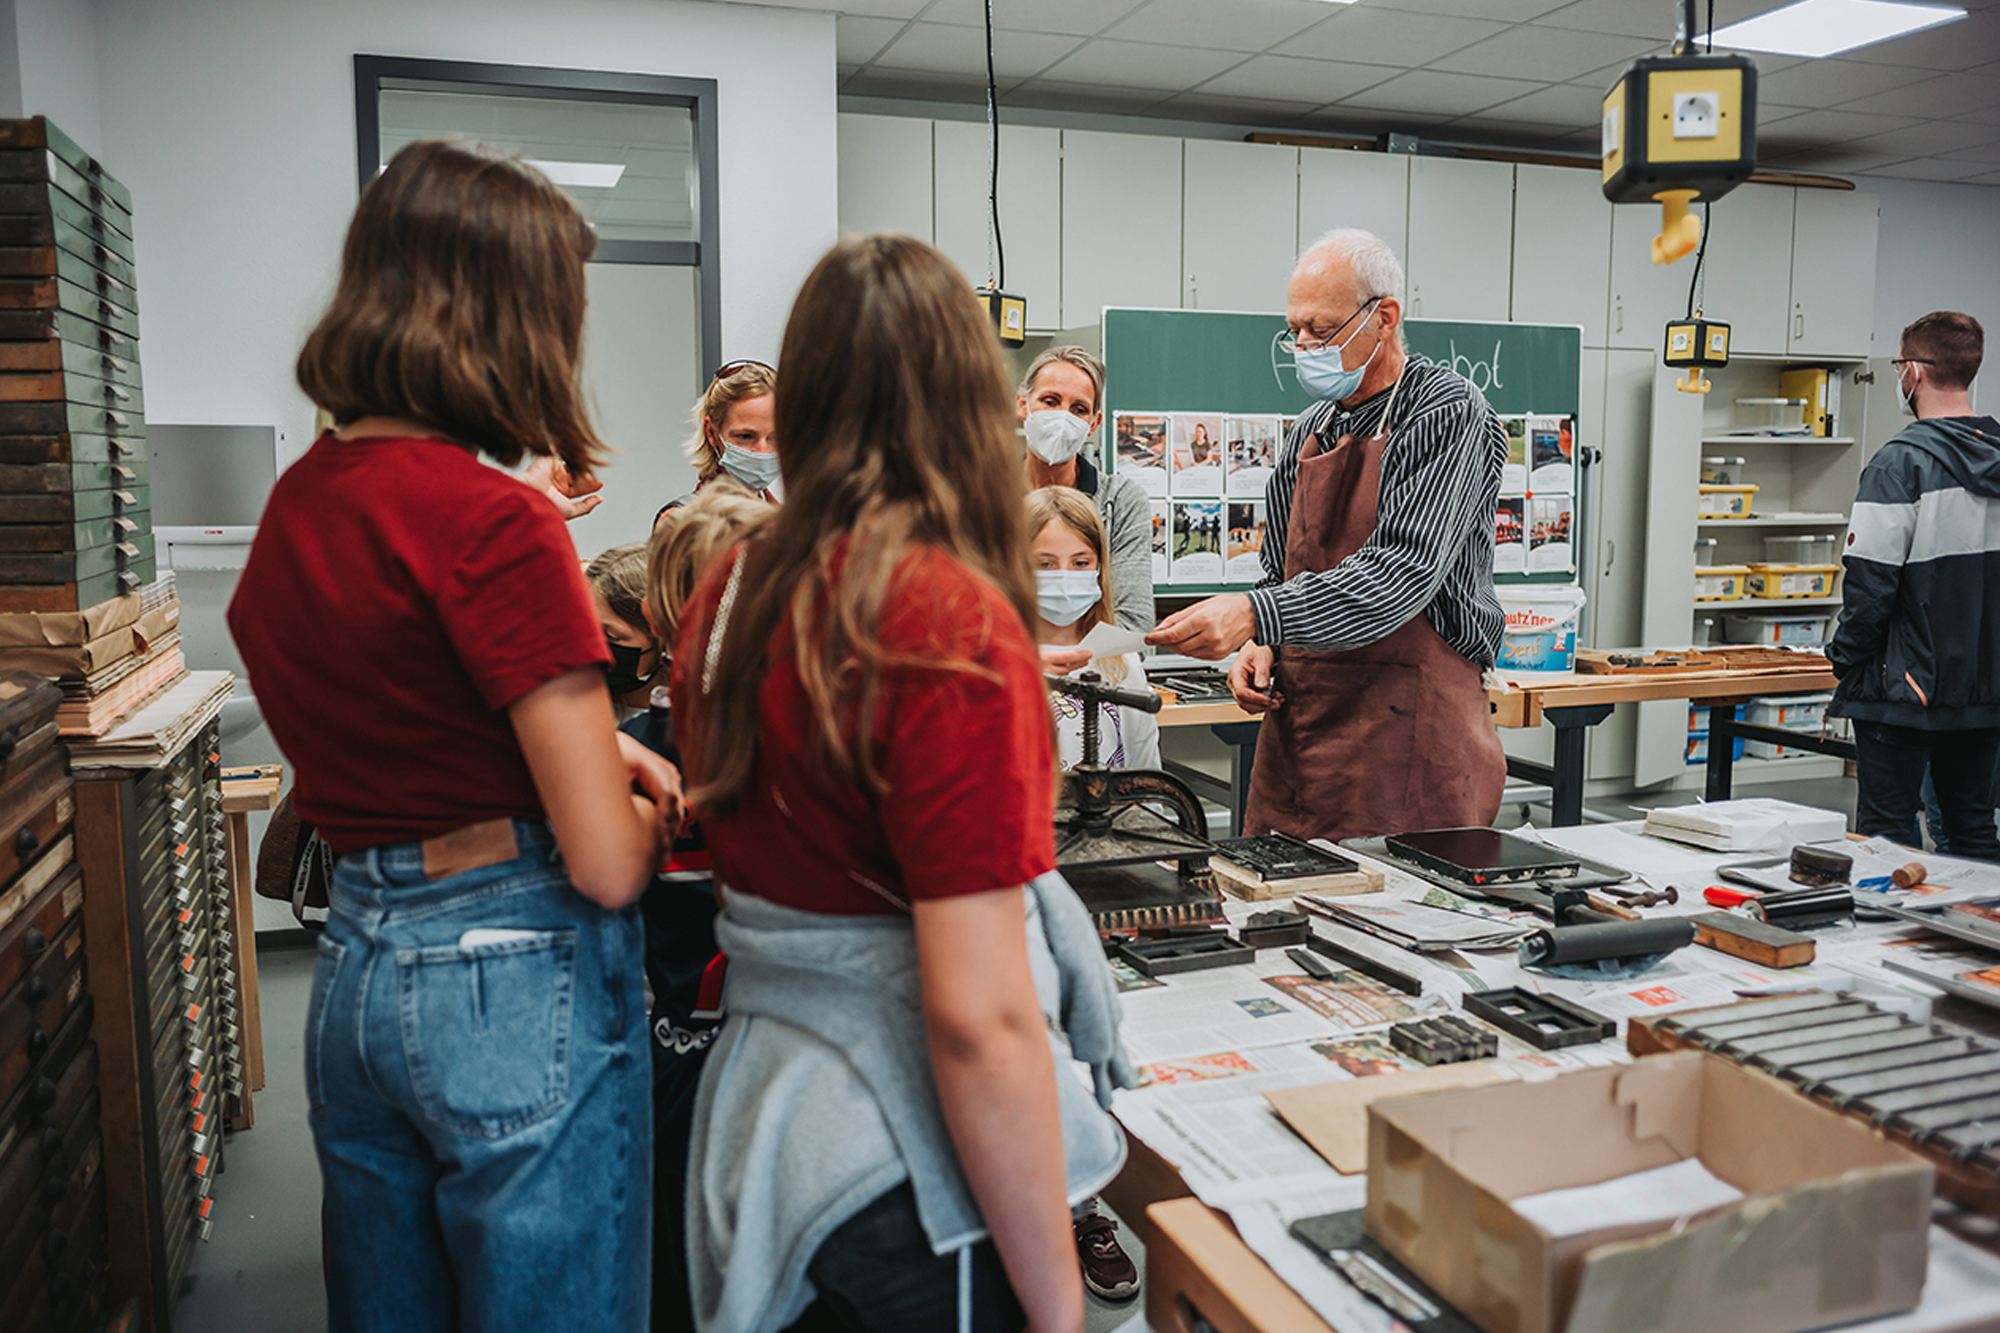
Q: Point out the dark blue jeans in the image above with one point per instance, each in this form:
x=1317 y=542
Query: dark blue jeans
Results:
x=481 y=1098
x=876 y=1274
x=1890 y=763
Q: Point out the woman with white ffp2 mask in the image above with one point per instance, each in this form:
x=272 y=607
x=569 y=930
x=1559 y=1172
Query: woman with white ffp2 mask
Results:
x=1060 y=402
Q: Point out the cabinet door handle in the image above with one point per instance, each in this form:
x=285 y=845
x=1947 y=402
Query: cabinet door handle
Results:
x=1610 y=554
x=1619 y=309
x=1799 y=324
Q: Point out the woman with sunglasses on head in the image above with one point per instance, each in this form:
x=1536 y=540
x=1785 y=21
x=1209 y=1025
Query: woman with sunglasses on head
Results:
x=734 y=438
x=883 y=1122
x=419 y=631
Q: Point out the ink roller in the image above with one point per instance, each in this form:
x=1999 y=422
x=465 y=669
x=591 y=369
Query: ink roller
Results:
x=1588 y=942
x=1801 y=909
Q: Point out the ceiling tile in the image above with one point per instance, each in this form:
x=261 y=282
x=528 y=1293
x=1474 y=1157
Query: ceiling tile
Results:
x=1059 y=96
x=1622 y=18
x=1236 y=110
x=1829 y=82
x=1165 y=69
x=915 y=85
x=858 y=40
x=1505 y=133
x=1969 y=43
x=1823 y=127
x=1990 y=178
x=1315 y=82
x=1567 y=104
x=1368 y=124
x=1931 y=138
x=1504 y=11
x=1447 y=95
x=1549 y=54
x=1947 y=95
x=1835 y=159
x=1927 y=169
x=1982 y=153
x=1080 y=18
x=938 y=49
x=1369 y=35
x=895 y=9
x=1241 y=25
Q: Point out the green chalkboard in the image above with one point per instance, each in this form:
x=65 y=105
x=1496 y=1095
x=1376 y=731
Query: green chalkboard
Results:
x=1164 y=361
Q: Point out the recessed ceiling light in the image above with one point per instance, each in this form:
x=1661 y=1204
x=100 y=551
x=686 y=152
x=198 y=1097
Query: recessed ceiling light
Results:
x=587 y=175
x=1828 y=27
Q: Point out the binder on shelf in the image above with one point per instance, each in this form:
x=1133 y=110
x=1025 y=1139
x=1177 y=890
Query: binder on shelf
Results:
x=1820 y=388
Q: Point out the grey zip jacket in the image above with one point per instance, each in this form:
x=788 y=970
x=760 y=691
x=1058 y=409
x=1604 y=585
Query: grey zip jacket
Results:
x=1919 y=638
x=818 y=1098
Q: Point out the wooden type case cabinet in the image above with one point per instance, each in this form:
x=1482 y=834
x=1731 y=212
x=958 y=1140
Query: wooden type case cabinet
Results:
x=154 y=854
x=54 y=1249
x=75 y=521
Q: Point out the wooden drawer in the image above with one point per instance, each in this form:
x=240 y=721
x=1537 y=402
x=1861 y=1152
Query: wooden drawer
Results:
x=28 y=1027
x=75 y=535
x=32 y=182
x=43 y=920
x=72 y=507
x=30 y=324
x=134 y=553
x=43 y=386
x=40 y=132
x=59 y=418
x=61 y=294
x=96 y=269
x=39 y=451
x=55 y=478
x=30 y=789
x=21 y=1113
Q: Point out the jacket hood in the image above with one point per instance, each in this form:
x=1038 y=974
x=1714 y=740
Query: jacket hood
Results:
x=1967 y=447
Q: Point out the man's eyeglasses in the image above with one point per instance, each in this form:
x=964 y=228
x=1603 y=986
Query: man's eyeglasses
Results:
x=1293 y=343
x=736 y=367
x=1901 y=361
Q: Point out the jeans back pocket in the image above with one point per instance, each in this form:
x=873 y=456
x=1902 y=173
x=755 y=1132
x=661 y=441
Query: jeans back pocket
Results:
x=326 y=969
x=486 y=1028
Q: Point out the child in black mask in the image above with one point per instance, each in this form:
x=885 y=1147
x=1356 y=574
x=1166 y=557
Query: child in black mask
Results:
x=618 y=590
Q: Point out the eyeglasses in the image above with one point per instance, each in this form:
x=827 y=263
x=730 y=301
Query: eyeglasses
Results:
x=734 y=367
x=1902 y=361
x=1292 y=343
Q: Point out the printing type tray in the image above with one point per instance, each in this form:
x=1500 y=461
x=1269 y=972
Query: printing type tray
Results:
x=1547 y=1022
x=1185 y=953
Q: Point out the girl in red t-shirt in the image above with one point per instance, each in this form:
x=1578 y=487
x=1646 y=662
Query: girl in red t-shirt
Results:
x=859 y=704
x=426 y=655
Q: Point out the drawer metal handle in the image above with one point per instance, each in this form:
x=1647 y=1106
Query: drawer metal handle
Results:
x=25 y=841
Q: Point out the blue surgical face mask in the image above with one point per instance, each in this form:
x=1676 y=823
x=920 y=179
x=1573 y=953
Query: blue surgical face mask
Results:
x=1064 y=595
x=755 y=470
x=1324 y=375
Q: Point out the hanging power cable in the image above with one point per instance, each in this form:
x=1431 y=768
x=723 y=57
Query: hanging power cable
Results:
x=996 y=252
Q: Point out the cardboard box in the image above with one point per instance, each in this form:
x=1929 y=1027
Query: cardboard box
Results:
x=1201 y=1276
x=1835 y=1228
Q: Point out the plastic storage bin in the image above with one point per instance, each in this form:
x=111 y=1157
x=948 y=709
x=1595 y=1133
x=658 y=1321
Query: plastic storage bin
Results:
x=1805 y=631
x=1720 y=583
x=1540 y=636
x=1704 y=632
x=1727 y=501
x=1697 y=748
x=1820 y=550
x=1793 y=712
x=1778 y=581
x=1717 y=471
x=1698 y=715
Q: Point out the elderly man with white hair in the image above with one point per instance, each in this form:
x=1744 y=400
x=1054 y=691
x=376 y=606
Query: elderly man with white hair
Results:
x=1376 y=618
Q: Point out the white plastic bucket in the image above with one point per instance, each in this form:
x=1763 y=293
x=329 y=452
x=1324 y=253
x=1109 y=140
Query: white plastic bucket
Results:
x=1541 y=629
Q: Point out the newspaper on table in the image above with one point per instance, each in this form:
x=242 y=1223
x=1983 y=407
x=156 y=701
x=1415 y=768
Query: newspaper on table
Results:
x=1415 y=926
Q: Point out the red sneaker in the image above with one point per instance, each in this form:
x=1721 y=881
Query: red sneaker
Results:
x=1107 y=1269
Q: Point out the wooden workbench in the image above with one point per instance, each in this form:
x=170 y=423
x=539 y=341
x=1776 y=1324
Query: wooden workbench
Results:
x=1523 y=702
x=245 y=790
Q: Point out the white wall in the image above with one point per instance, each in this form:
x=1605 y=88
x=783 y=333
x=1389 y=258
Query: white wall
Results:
x=233 y=123
x=1937 y=251
x=56 y=44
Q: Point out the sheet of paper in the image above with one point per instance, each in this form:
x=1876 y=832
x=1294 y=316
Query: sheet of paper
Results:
x=1105 y=640
x=1664 y=1194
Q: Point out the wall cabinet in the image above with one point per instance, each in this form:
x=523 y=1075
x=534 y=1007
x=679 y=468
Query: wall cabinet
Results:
x=1562 y=249
x=1338 y=188
x=1833 y=274
x=1030 y=209
x=1461 y=249
x=1239 y=224
x=885 y=175
x=1121 y=213
x=1749 y=267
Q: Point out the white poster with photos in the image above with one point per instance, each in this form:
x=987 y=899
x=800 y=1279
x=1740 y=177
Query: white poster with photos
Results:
x=1550 y=520
x=1514 y=472
x=1243 y=547
x=1253 y=444
x=1195 y=458
x=1197 y=541
x=1139 y=449
x=1551 y=454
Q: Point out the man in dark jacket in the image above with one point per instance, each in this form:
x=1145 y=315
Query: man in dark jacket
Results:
x=1918 y=647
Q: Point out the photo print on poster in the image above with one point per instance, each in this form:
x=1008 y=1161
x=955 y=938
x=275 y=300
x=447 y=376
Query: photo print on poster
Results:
x=1551 y=454
x=1197 y=455
x=1160 y=521
x=1514 y=472
x=1550 y=519
x=1510 y=537
x=1253 y=453
x=1243 y=549
x=1197 y=541
x=1139 y=449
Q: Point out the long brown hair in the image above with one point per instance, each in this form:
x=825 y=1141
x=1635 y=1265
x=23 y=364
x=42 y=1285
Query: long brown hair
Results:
x=460 y=307
x=688 y=541
x=895 y=429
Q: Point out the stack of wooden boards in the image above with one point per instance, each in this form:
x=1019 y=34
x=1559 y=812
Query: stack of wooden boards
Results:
x=110 y=659
x=75 y=526
x=54 y=1250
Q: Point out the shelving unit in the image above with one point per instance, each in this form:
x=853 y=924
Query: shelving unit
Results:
x=1805 y=484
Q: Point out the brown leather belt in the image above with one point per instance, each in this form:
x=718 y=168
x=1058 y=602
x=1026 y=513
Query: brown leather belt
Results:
x=473 y=847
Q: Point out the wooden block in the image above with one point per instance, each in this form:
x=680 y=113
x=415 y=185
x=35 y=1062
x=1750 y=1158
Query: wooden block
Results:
x=1236 y=885
x=1753 y=940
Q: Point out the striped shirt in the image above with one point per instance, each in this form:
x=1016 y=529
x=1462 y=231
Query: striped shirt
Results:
x=1432 y=549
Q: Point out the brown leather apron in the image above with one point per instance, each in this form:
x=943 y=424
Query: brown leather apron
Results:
x=1390 y=737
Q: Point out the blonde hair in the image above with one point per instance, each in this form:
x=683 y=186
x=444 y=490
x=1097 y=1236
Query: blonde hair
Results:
x=1075 y=356
x=1077 y=512
x=712 y=409
x=687 y=543
x=618 y=575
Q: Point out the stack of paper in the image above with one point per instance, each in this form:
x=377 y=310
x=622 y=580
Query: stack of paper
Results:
x=157 y=730
x=1755 y=824
x=1414 y=926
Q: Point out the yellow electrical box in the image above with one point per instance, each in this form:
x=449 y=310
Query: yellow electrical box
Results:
x=1009 y=313
x=1696 y=345
x=1678 y=130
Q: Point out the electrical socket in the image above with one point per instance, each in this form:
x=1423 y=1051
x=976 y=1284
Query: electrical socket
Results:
x=1697 y=115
